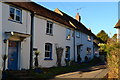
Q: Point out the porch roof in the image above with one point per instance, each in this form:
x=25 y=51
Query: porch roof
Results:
x=17 y=36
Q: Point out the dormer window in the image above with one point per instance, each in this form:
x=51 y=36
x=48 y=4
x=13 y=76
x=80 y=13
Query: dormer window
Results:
x=49 y=28
x=68 y=34
x=15 y=14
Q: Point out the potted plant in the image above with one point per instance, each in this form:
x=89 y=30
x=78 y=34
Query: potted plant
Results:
x=59 y=52
x=4 y=74
x=36 y=61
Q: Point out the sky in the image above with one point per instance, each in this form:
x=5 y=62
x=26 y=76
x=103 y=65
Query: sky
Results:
x=94 y=15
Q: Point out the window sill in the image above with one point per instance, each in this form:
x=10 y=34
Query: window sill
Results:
x=49 y=34
x=14 y=21
x=77 y=37
x=67 y=39
x=89 y=40
x=48 y=59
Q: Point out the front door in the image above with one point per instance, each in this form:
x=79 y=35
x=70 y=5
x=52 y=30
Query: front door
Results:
x=13 y=55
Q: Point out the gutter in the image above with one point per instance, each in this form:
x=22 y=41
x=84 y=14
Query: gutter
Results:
x=31 y=40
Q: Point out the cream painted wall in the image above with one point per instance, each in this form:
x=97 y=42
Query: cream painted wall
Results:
x=40 y=38
x=84 y=40
x=24 y=27
x=59 y=37
x=1 y=41
x=118 y=34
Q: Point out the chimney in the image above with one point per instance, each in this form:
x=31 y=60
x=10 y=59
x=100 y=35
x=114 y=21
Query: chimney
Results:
x=78 y=18
x=89 y=29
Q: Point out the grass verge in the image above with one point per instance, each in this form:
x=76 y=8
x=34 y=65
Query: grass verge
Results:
x=52 y=72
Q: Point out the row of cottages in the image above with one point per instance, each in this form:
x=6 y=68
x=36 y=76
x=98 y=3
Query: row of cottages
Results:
x=27 y=27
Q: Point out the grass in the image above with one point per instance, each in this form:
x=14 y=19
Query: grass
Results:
x=52 y=72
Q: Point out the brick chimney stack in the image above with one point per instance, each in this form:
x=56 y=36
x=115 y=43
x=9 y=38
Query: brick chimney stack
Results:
x=78 y=18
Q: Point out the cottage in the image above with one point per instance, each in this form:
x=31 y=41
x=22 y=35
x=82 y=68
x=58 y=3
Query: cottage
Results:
x=27 y=27
x=117 y=26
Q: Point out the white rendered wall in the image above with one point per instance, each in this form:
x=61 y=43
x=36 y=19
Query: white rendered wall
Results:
x=24 y=27
x=118 y=34
x=59 y=37
x=1 y=41
x=86 y=44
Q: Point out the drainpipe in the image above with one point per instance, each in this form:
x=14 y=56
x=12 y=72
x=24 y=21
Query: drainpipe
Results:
x=74 y=44
x=31 y=40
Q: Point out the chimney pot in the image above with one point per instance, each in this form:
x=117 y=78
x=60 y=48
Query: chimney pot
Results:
x=78 y=18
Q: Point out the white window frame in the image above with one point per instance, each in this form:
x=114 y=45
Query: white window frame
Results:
x=50 y=52
x=50 y=28
x=77 y=34
x=67 y=53
x=89 y=38
x=89 y=50
x=68 y=34
x=16 y=9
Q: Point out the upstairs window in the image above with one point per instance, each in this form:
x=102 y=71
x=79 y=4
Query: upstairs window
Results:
x=15 y=14
x=49 y=28
x=89 y=38
x=48 y=51
x=68 y=34
x=78 y=34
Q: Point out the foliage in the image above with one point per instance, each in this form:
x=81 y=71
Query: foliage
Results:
x=36 y=58
x=4 y=57
x=52 y=72
x=113 y=50
x=103 y=35
x=114 y=36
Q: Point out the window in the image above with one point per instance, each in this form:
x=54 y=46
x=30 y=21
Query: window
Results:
x=15 y=14
x=89 y=38
x=68 y=34
x=89 y=50
x=49 y=29
x=48 y=51
x=67 y=55
x=78 y=34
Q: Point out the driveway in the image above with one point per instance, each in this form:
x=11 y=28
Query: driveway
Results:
x=98 y=71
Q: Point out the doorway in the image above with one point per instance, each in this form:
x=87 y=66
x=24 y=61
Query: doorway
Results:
x=13 y=55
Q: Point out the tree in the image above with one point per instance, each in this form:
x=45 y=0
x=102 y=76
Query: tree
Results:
x=59 y=52
x=113 y=58
x=114 y=36
x=103 y=35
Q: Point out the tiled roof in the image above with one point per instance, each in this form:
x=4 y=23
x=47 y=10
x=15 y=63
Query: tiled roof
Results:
x=39 y=10
x=42 y=11
x=79 y=26
x=118 y=24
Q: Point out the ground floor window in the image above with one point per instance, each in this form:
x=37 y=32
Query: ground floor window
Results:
x=89 y=50
x=48 y=51
x=67 y=55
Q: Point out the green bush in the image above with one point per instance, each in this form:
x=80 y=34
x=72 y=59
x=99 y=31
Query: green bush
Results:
x=113 y=57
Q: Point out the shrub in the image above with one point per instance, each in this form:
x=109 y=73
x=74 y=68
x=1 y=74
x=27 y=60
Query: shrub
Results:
x=113 y=55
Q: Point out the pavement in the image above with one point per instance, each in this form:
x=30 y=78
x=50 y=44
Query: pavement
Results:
x=97 y=71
